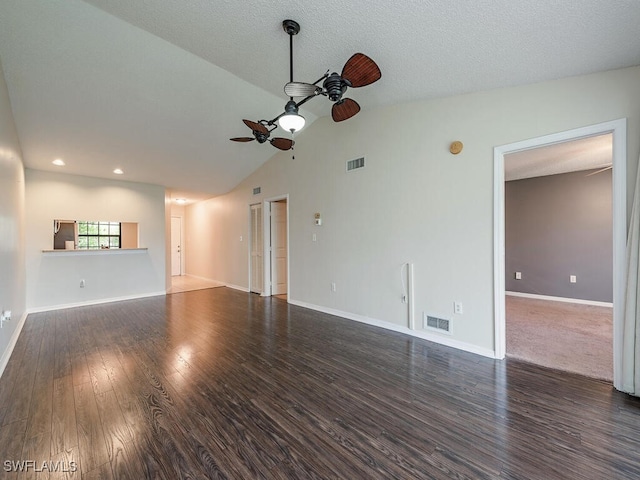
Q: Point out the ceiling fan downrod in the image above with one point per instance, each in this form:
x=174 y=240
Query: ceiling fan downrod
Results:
x=291 y=120
x=292 y=28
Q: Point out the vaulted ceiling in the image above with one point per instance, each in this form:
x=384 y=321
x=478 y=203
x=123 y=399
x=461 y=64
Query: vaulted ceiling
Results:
x=158 y=88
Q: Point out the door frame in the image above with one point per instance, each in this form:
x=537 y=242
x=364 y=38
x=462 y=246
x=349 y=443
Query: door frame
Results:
x=266 y=218
x=619 y=173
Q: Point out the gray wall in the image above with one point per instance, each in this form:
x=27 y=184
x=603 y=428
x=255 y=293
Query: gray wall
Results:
x=557 y=226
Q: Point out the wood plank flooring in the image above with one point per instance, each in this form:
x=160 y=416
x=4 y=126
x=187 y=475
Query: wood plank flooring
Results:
x=223 y=384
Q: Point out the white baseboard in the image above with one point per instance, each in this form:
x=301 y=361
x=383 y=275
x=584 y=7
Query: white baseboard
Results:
x=205 y=279
x=50 y=308
x=237 y=287
x=194 y=276
x=432 y=337
x=559 y=299
x=12 y=344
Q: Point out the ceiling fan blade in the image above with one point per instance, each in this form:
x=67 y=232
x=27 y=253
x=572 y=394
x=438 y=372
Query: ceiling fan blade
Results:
x=300 y=89
x=255 y=126
x=282 y=143
x=242 y=139
x=344 y=109
x=360 y=70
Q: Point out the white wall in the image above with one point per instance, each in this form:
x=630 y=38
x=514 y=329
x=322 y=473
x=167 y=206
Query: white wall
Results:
x=12 y=262
x=53 y=279
x=177 y=210
x=212 y=239
x=413 y=202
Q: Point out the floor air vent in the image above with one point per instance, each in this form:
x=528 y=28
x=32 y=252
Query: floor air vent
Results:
x=441 y=325
x=355 y=164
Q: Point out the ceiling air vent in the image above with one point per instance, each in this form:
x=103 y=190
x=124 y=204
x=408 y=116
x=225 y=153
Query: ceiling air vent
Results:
x=355 y=164
x=441 y=325
x=257 y=190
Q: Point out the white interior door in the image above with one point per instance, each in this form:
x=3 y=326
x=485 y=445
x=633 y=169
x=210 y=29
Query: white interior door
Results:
x=279 y=248
x=257 y=247
x=176 y=246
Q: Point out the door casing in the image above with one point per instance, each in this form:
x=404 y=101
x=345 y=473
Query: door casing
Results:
x=619 y=191
x=266 y=225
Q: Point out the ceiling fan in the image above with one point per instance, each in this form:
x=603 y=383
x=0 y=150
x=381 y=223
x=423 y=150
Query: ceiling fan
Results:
x=359 y=71
x=261 y=133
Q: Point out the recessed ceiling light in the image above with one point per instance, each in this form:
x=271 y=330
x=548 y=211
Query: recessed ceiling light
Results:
x=58 y=162
x=118 y=171
x=181 y=201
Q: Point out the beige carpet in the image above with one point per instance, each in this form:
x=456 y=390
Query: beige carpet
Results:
x=565 y=336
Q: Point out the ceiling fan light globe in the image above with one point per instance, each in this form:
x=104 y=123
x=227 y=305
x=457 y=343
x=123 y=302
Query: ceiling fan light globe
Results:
x=291 y=122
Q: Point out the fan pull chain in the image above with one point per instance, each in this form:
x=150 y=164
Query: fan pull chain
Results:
x=293 y=143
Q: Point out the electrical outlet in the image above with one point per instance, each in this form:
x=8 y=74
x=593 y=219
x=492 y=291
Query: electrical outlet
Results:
x=82 y=283
x=572 y=279
x=457 y=308
x=518 y=275
x=333 y=286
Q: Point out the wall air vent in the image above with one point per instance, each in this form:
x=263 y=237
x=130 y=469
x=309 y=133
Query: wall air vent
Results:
x=355 y=164
x=441 y=325
x=257 y=190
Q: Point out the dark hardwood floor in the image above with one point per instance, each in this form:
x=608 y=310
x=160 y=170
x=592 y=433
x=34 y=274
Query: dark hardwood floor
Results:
x=222 y=384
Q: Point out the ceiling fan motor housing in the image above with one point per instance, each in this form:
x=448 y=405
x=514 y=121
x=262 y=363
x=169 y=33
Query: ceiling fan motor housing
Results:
x=291 y=108
x=335 y=86
x=260 y=137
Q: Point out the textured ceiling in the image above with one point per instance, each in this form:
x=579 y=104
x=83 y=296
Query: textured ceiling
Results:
x=159 y=87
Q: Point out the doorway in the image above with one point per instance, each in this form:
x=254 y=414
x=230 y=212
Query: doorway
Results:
x=558 y=256
x=269 y=247
x=279 y=248
x=176 y=246
x=618 y=129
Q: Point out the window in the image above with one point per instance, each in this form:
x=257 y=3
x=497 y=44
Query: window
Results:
x=97 y=235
